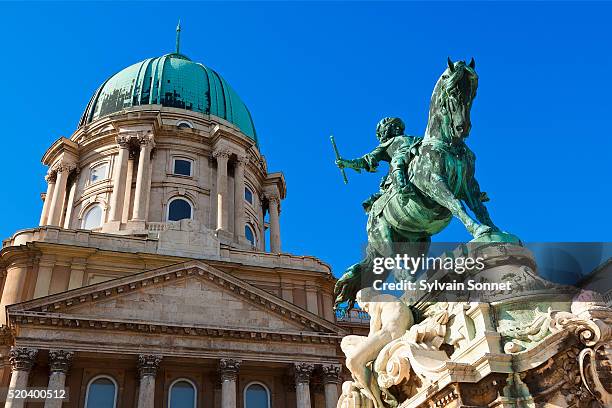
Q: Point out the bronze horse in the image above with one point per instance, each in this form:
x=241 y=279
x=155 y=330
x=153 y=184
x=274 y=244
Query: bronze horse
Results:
x=441 y=179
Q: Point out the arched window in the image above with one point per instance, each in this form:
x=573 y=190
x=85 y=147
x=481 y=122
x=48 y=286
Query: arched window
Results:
x=179 y=209
x=182 y=394
x=248 y=195
x=183 y=124
x=256 y=395
x=101 y=393
x=92 y=218
x=98 y=172
x=249 y=234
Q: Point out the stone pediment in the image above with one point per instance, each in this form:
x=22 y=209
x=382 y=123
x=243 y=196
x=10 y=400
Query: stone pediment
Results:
x=187 y=298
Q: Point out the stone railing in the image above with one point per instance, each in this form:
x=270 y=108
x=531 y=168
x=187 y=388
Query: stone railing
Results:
x=161 y=226
x=352 y=316
x=153 y=244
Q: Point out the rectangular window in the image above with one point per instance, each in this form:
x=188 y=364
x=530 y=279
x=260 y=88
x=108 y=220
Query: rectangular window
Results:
x=182 y=167
x=98 y=172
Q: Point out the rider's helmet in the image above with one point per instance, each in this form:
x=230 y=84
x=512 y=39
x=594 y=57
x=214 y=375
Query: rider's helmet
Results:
x=388 y=128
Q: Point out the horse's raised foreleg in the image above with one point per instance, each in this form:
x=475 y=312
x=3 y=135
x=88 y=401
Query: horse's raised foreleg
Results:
x=430 y=180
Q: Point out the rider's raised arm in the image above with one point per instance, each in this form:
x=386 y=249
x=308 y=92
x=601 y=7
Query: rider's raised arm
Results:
x=368 y=162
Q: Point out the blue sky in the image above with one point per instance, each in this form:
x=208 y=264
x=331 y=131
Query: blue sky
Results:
x=306 y=70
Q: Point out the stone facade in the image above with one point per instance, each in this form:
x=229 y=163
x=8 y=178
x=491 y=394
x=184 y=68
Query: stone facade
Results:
x=111 y=287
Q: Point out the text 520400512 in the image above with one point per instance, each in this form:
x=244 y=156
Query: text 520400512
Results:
x=34 y=394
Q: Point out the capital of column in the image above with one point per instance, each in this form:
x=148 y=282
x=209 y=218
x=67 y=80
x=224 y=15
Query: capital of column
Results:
x=148 y=364
x=228 y=368
x=22 y=358
x=64 y=167
x=60 y=361
x=273 y=198
x=222 y=152
x=303 y=371
x=145 y=139
x=51 y=176
x=331 y=373
x=242 y=160
x=123 y=140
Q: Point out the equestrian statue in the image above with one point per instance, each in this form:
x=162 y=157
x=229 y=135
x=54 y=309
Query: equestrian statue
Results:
x=430 y=180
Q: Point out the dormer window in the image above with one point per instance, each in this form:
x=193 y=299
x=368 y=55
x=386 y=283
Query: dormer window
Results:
x=182 y=167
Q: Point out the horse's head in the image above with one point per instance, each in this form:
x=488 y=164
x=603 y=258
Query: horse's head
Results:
x=451 y=102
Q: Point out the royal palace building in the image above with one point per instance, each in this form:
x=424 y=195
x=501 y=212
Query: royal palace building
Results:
x=156 y=277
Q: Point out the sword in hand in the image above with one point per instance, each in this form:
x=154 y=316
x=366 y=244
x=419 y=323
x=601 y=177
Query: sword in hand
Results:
x=333 y=141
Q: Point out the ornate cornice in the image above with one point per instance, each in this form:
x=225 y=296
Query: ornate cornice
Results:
x=228 y=369
x=60 y=361
x=331 y=373
x=22 y=358
x=303 y=371
x=148 y=364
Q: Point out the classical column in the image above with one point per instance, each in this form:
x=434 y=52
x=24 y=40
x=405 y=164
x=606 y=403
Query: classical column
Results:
x=331 y=379
x=262 y=244
x=125 y=214
x=239 y=198
x=59 y=192
x=59 y=364
x=143 y=181
x=13 y=285
x=22 y=359
x=147 y=370
x=50 y=178
x=274 y=203
x=228 y=369
x=303 y=372
x=222 y=155
x=70 y=203
x=43 y=279
x=119 y=175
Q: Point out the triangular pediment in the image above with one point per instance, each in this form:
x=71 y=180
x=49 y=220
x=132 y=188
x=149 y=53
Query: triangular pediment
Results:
x=188 y=296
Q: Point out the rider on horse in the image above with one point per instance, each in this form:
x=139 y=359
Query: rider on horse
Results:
x=394 y=148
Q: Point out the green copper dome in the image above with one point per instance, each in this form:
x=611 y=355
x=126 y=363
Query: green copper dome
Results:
x=174 y=81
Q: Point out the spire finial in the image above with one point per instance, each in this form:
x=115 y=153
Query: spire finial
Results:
x=178 y=36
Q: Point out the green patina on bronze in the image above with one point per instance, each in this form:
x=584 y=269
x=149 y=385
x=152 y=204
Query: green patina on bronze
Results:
x=430 y=180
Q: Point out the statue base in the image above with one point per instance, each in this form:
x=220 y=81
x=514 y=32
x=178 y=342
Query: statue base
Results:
x=537 y=345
